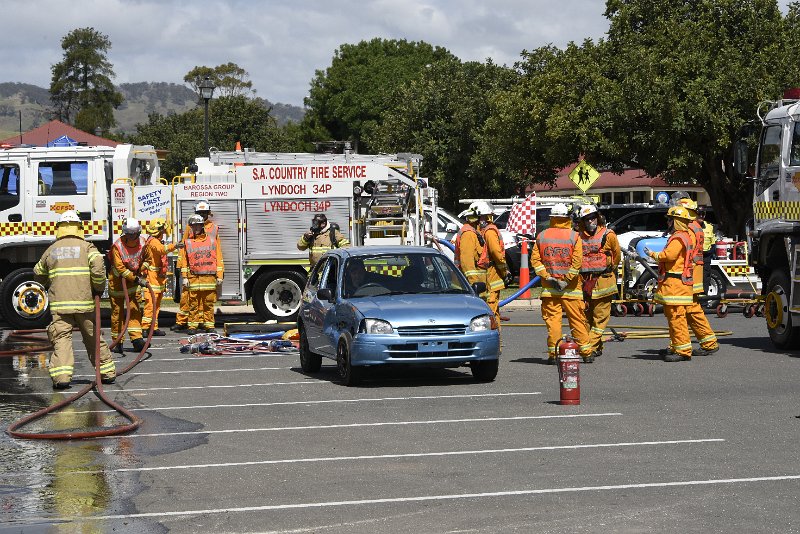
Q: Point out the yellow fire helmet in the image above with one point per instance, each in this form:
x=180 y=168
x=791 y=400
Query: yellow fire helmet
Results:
x=680 y=212
x=690 y=205
x=157 y=226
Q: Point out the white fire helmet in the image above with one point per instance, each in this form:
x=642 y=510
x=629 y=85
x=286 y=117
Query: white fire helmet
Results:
x=587 y=210
x=478 y=208
x=202 y=205
x=195 y=219
x=70 y=216
x=559 y=210
x=131 y=226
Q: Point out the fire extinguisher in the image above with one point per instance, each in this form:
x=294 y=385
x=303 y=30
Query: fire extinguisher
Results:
x=569 y=362
x=721 y=250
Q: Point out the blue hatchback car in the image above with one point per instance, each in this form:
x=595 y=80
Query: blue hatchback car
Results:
x=399 y=305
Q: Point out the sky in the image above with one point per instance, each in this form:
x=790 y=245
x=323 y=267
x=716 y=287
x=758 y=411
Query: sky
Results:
x=280 y=43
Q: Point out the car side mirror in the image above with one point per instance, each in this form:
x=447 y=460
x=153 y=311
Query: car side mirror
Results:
x=479 y=287
x=451 y=227
x=325 y=294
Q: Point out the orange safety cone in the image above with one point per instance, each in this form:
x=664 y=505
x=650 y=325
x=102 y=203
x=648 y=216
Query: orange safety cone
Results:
x=238 y=149
x=524 y=273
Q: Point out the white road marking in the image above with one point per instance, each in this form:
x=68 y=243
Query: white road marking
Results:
x=413 y=455
x=444 y=497
x=364 y=425
x=326 y=401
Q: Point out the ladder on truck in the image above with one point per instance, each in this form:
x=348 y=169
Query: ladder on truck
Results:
x=387 y=214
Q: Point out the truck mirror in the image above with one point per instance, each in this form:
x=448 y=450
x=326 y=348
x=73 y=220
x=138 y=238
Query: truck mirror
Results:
x=740 y=152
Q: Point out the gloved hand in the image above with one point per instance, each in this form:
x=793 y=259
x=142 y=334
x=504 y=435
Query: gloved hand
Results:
x=142 y=281
x=180 y=245
x=308 y=236
x=219 y=281
x=561 y=284
x=648 y=252
x=549 y=281
x=97 y=292
x=184 y=282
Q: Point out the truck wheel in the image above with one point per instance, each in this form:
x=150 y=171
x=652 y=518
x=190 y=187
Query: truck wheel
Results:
x=782 y=332
x=24 y=302
x=277 y=295
x=717 y=286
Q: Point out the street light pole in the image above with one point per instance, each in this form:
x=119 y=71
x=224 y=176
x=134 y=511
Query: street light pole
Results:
x=206 y=93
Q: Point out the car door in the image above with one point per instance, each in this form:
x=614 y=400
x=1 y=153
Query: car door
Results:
x=327 y=319
x=315 y=312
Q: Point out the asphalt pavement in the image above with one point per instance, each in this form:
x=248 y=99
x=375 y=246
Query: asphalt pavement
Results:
x=248 y=443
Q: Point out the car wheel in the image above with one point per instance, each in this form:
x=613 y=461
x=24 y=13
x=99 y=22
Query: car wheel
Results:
x=485 y=370
x=348 y=375
x=309 y=361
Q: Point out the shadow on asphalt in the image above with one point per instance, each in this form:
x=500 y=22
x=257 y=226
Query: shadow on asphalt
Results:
x=540 y=361
x=410 y=377
x=651 y=354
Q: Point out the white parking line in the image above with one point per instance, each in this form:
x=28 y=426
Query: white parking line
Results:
x=444 y=497
x=405 y=455
x=363 y=425
x=326 y=401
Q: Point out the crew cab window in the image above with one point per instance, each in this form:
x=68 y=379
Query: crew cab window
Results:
x=795 y=155
x=769 y=157
x=61 y=178
x=9 y=186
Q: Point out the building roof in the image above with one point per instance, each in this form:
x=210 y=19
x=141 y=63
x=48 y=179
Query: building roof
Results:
x=49 y=132
x=630 y=178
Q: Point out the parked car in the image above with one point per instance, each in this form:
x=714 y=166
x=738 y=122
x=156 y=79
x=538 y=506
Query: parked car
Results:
x=612 y=212
x=394 y=306
x=650 y=222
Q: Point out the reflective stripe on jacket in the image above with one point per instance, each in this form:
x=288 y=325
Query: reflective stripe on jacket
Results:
x=687 y=273
x=594 y=259
x=467 y=253
x=201 y=255
x=132 y=257
x=71 y=268
x=555 y=249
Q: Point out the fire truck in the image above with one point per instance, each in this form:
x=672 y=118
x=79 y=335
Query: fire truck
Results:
x=774 y=234
x=263 y=202
x=38 y=184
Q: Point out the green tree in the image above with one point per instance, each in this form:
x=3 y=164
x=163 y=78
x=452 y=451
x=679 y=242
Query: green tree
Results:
x=440 y=114
x=230 y=79
x=231 y=119
x=667 y=92
x=81 y=88
x=348 y=98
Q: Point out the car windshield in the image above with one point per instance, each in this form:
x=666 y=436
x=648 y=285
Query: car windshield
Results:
x=401 y=274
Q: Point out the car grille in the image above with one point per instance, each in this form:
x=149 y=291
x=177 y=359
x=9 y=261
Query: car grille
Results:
x=432 y=330
x=451 y=349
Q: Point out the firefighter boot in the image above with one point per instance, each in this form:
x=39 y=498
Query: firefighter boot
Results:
x=138 y=345
x=675 y=357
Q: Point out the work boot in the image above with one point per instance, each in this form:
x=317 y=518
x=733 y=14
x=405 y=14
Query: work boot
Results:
x=118 y=349
x=208 y=330
x=61 y=385
x=179 y=327
x=108 y=379
x=666 y=352
x=138 y=345
x=589 y=358
x=191 y=331
x=704 y=352
x=159 y=333
x=675 y=357
x=551 y=360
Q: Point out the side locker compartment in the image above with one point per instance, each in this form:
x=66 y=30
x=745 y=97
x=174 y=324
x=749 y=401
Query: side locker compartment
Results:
x=794 y=307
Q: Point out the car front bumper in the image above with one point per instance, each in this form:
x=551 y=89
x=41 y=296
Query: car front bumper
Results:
x=425 y=350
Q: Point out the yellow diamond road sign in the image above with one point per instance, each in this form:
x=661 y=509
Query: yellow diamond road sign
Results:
x=584 y=175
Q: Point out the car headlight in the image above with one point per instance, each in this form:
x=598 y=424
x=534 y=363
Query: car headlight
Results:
x=482 y=323
x=376 y=326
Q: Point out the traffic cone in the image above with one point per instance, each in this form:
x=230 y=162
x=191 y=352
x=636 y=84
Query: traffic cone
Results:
x=524 y=273
x=238 y=149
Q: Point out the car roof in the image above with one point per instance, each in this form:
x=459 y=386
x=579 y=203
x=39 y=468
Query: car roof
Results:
x=383 y=249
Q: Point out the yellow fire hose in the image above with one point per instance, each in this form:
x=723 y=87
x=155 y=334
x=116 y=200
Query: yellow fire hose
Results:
x=614 y=333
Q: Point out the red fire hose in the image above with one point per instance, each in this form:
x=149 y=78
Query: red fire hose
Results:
x=96 y=384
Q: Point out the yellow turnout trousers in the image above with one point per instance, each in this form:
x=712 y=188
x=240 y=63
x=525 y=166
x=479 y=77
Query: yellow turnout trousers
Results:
x=182 y=316
x=552 y=308
x=151 y=310
x=201 y=307
x=679 y=338
x=118 y=318
x=62 y=362
x=697 y=321
x=597 y=317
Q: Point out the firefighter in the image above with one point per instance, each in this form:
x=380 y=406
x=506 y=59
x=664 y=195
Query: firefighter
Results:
x=695 y=316
x=203 y=209
x=709 y=237
x=201 y=273
x=557 y=259
x=469 y=247
x=127 y=261
x=320 y=238
x=601 y=255
x=155 y=254
x=73 y=272
x=675 y=281
x=493 y=257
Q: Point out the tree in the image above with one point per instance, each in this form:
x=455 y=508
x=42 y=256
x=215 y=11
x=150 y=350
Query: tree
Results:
x=81 y=88
x=230 y=79
x=440 y=114
x=667 y=92
x=348 y=98
x=232 y=119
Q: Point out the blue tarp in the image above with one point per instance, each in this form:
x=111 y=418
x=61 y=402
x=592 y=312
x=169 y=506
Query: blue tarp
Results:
x=64 y=140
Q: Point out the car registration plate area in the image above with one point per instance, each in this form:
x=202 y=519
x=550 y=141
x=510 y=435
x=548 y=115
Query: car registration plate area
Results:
x=432 y=346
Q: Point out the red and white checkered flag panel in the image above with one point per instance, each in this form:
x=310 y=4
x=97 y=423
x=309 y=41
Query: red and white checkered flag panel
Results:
x=523 y=216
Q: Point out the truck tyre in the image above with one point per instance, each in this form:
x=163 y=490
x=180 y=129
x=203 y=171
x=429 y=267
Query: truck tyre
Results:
x=277 y=295
x=23 y=302
x=717 y=286
x=782 y=332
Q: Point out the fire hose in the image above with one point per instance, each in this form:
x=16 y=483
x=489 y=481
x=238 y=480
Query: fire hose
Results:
x=97 y=384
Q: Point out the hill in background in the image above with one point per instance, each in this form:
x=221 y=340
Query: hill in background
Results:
x=140 y=100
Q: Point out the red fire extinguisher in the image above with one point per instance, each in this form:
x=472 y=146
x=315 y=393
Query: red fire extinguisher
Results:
x=721 y=250
x=569 y=361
